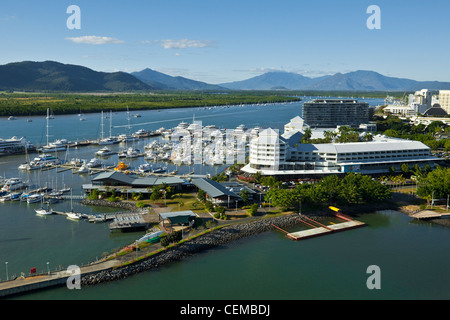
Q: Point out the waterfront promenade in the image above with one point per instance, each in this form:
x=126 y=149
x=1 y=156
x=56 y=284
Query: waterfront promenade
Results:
x=27 y=284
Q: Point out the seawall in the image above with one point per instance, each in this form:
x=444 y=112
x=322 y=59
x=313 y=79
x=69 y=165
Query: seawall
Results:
x=208 y=241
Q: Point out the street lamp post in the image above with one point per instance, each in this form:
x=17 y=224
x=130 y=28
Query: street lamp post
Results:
x=48 y=268
x=6 y=264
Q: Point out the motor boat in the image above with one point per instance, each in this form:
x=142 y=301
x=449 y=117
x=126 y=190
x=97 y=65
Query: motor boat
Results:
x=33 y=198
x=58 y=145
x=13 y=184
x=6 y=197
x=108 y=141
x=94 y=163
x=159 y=170
x=104 y=152
x=130 y=153
x=83 y=169
x=145 y=168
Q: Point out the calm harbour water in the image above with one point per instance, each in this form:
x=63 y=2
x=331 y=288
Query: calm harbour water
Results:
x=413 y=257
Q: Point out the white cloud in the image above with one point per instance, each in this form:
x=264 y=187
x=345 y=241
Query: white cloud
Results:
x=184 y=43
x=95 y=40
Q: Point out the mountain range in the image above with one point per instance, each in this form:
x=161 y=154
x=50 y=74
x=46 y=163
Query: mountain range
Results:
x=55 y=76
x=353 y=81
x=164 y=81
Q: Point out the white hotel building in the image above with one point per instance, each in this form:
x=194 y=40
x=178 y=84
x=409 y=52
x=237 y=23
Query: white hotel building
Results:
x=284 y=155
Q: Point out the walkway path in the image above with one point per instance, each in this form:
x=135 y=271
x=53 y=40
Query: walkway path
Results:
x=22 y=284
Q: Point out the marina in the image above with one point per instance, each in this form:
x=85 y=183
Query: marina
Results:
x=63 y=238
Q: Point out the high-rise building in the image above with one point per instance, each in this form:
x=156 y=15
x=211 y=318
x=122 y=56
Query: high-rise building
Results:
x=444 y=100
x=329 y=113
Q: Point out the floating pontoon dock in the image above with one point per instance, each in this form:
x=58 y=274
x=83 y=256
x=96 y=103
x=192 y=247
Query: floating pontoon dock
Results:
x=318 y=229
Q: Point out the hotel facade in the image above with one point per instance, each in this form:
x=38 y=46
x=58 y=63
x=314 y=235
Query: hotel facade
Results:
x=284 y=155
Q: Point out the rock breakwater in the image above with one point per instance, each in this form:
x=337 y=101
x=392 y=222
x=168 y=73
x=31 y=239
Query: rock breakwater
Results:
x=207 y=241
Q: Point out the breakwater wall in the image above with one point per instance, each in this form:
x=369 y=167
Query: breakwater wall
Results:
x=106 y=203
x=207 y=241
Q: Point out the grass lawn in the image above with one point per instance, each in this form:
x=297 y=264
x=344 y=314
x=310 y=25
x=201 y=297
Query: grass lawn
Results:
x=178 y=202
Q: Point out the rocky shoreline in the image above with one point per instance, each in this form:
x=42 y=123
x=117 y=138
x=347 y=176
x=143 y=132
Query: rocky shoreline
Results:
x=191 y=247
x=217 y=238
x=105 y=203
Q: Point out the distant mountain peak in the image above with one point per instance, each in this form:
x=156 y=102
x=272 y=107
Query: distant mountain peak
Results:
x=55 y=76
x=359 y=80
x=153 y=77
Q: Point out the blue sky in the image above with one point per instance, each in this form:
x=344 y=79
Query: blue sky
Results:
x=228 y=40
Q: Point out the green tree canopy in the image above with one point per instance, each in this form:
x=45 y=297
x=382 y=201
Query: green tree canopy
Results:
x=436 y=183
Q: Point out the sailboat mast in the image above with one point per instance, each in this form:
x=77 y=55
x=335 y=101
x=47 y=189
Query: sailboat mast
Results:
x=47 y=124
x=102 y=125
x=110 y=123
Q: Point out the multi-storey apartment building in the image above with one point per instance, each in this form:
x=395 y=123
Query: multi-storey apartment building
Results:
x=329 y=113
x=444 y=100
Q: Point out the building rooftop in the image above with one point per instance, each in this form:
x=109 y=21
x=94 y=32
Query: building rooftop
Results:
x=131 y=180
x=380 y=143
x=335 y=101
x=213 y=188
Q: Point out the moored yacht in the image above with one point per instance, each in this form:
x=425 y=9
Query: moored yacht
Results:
x=33 y=198
x=83 y=169
x=44 y=212
x=94 y=163
x=14 y=184
x=104 y=152
x=58 y=145
x=73 y=216
x=108 y=141
x=145 y=168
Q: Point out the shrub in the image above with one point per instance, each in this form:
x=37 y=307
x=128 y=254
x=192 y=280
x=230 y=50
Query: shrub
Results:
x=140 y=204
x=253 y=209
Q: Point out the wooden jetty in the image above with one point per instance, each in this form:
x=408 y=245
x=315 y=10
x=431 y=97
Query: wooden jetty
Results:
x=428 y=214
x=131 y=222
x=319 y=229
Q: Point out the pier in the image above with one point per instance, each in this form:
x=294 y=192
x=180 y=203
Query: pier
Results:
x=319 y=229
x=51 y=279
x=131 y=222
x=428 y=214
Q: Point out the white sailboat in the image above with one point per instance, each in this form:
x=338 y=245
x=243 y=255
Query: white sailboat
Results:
x=43 y=211
x=71 y=215
x=58 y=145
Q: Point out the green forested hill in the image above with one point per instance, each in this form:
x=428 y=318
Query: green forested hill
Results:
x=55 y=76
